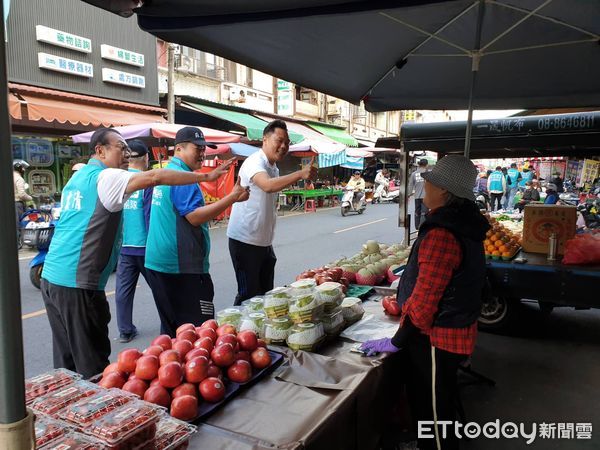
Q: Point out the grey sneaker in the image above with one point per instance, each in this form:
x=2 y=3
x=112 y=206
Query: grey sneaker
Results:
x=127 y=337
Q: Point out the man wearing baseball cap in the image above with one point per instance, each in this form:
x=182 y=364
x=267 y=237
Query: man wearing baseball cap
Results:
x=440 y=294
x=178 y=243
x=136 y=214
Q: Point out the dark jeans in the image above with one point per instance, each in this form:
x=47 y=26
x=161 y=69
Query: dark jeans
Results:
x=420 y=211
x=496 y=198
x=418 y=354
x=128 y=272
x=254 y=268
x=181 y=298
x=79 y=321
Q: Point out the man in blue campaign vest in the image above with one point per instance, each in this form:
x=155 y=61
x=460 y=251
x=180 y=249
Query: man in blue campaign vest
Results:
x=496 y=187
x=526 y=175
x=178 y=243
x=515 y=177
x=136 y=214
x=84 y=250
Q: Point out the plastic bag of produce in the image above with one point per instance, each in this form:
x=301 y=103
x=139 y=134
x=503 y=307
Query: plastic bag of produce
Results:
x=305 y=285
x=255 y=304
x=277 y=330
x=232 y=316
x=583 y=249
x=304 y=308
x=276 y=302
x=253 y=321
x=352 y=309
x=330 y=295
x=333 y=322
x=306 y=336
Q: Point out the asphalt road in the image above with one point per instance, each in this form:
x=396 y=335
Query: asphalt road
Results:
x=547 y=371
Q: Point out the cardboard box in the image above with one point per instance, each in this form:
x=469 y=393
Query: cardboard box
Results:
x=540 y=221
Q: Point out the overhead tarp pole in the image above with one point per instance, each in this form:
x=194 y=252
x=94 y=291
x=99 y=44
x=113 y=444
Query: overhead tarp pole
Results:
x=474 y=69
x=15 y=424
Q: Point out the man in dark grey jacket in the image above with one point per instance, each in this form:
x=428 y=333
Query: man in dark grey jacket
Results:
x=415 y=188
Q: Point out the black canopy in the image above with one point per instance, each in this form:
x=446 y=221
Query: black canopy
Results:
x=576 y=134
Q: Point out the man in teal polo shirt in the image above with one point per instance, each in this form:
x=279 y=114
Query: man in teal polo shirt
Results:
x=515 y=177
x=178 y=243
x=496 y=188
x=136 y=214
x=84 y=250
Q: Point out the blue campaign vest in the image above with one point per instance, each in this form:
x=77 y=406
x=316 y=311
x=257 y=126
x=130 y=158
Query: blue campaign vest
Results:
x=496 y=181
x=527 y=176
x=514 y=176
x=174 y=245
x=87 y=238
x=134 y=223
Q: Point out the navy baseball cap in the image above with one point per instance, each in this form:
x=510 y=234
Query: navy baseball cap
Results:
x=193 y=135
x=137 y=148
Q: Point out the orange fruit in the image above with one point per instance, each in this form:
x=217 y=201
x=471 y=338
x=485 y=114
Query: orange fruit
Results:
x=495 y=253
x=493 y=238
x=506 y=254
x=487 y=242
x=491 y=248
x=503 y=249
x=498 y=243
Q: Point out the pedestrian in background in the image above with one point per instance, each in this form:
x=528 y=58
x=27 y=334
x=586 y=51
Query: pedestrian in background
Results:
x=136 y=215
x=85 y=247
x=558 y=182
x=513 y=186
x=496 y=188
x=178 y=245
x=416 y=190
x=252 y=224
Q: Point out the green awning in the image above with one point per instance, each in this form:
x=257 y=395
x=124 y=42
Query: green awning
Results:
x=253 y=125
x=334 y=132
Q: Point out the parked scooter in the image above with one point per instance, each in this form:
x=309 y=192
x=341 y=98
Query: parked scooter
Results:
x=482 y=200
x=384 y=194
x=352 y=202
x=41 y=239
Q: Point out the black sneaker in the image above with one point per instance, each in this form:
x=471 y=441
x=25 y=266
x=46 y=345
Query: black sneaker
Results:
x=127 y=337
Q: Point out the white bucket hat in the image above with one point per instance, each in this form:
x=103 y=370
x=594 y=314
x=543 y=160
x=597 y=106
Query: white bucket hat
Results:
x=454 y=173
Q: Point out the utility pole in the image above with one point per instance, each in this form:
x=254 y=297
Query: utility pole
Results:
x=170 y=82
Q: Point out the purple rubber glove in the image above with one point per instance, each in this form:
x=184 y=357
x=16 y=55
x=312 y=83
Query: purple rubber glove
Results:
x=379 y=346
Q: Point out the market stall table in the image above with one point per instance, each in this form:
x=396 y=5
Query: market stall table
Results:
x=314 y=401
x=305 y=194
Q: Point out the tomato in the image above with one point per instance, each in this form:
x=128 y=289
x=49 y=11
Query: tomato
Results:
x=205 y=343
x=185 y=389
x=390 y=305
x=112 y=380
x=155 y=350
x=158 y=395
x=227 y=339
x=169 y=356
x=188 y=335
x=196 y=369
x=127 y=359
x=136 y=386
x=197 y=352
x=214 y=371
x=261 y=343
x=212 y=389
x=240 y=371
x=207 y=332
x=226 y=329
x=112 y=367
x=170 y=375
x=183 y=346
x=211 y=323
x=223 y=355
x=147 y=367
x=248 y=340
x=164 y=340
x=244 y=355
x=185 y=326
x=184 y=407
x=260 y=358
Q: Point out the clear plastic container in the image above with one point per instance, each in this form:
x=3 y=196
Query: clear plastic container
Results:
x=47 y=430
x=73 y=441
x=305 y=308
x=277 y=330
x=276 y=302
x=303 y=286
x=333 y=322
x=306 y=336
x=330 y=295
x=253 y=321
x=254 y=304
x=352 y=309
x=47 y=382
x=127 y=427
x=172 y=434
x=231 y=316
x=90 y=409
x=54 y=401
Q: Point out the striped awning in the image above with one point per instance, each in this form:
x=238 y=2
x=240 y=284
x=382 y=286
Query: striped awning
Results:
x=355 y=163
x=332 y=159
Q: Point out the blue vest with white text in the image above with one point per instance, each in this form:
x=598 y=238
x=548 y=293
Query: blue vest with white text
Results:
x=514 y=176
x=495 y=180
x=134 y=223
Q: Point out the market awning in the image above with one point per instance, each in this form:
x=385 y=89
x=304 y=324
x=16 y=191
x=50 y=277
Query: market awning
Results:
x=14 y=107
x=241 y=149
x=354 y=163
x=253 y=125
x=334 y=132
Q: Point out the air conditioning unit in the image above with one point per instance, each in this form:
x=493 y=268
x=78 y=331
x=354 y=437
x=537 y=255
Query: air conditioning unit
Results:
x=186 y=64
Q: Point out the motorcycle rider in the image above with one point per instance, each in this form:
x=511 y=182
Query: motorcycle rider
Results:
x=382 y=183
x=21 y=195
x=357 y=183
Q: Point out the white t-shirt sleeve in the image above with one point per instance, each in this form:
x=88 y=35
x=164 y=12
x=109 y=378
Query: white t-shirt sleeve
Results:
x=254 y=166
x=112 y=184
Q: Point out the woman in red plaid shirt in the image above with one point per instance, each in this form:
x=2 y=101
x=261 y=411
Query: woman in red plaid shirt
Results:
x=440 y=294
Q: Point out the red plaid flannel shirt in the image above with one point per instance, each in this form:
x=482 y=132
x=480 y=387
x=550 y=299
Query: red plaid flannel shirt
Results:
x=439 y=256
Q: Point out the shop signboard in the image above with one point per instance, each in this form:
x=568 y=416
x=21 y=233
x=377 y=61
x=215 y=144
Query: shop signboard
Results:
x=63 y=39
x=573 y=167
x=65 y=151
x=18 y=148
x=40 y=152
x=285 y=98
x=121 y=55
x=124 y=78
x=589 y=172
x=65 y=65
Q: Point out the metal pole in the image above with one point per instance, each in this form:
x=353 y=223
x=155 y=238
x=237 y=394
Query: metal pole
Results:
x=474 y=70
x=12 y=374
x=171 y=83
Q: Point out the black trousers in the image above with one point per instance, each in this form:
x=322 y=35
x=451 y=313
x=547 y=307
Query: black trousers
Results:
x=79 y=321
x=181 y=298
x=254 y=268
x=129 y=269
x=418 y=354
x=420 y=211
x=496 y=198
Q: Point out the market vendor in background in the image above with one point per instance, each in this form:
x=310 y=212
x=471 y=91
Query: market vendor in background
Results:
x=252 y=224
x=85 y=247
x=496 y=188
x=415 y=189
x=551 y=194
x=178 y=245
x=526 y=175
x=530 y=194
x=136 y=215
x=440 y=294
